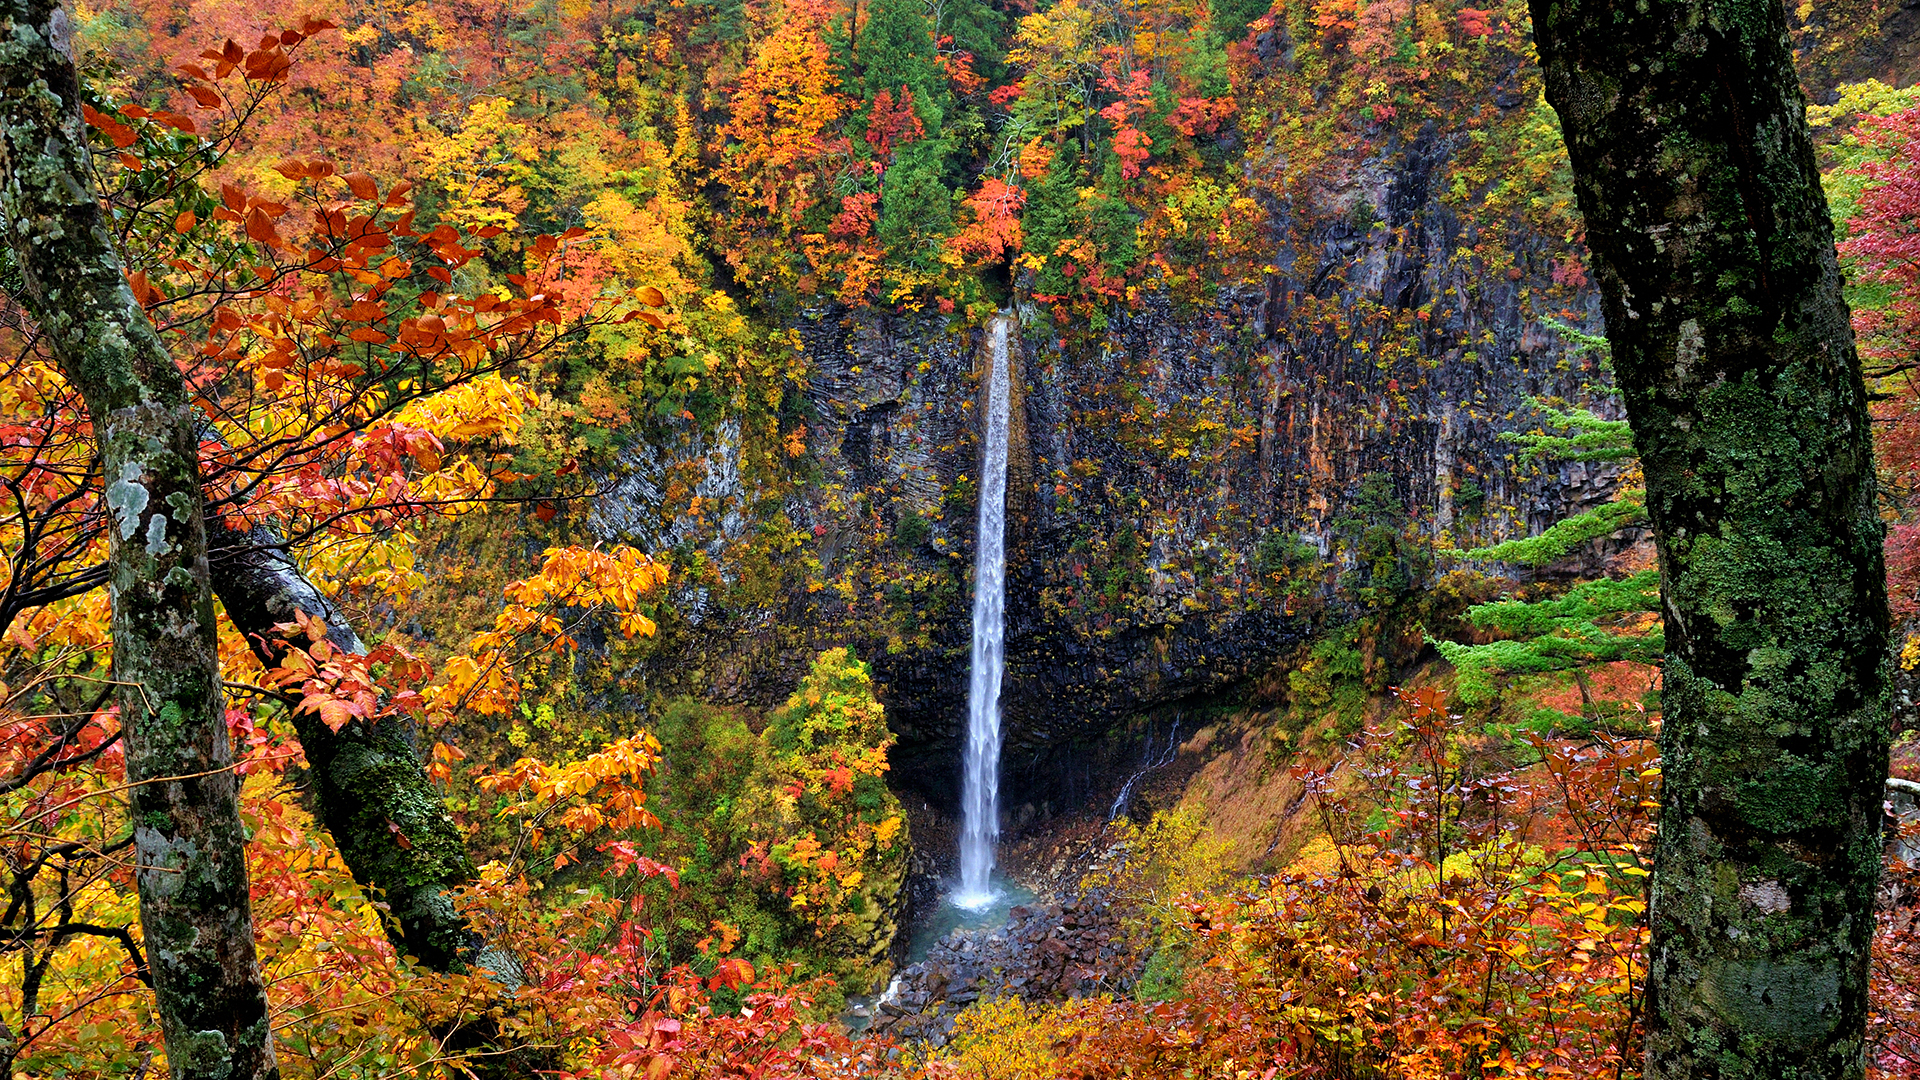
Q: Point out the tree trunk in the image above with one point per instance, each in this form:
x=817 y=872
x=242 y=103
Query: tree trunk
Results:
x=1731 y=342
x=386 y=817
x=189 y=843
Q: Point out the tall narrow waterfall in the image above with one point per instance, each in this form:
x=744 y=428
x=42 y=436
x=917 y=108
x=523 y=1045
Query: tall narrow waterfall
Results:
x=981 y=793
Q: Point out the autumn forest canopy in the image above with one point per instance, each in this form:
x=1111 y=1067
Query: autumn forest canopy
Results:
x=490 y=493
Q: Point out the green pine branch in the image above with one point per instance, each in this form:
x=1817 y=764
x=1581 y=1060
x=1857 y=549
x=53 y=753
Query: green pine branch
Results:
x=1579 y=606
x=1561 y=634
x=1593 y=438
x=1586 y=625
x=1566 y=534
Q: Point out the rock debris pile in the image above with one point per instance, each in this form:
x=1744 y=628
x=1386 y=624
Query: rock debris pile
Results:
x=1044 y=953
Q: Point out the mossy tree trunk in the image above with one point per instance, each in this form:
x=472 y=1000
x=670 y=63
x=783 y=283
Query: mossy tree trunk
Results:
x=190 y=847
x=385 y=816
x=1731 y=342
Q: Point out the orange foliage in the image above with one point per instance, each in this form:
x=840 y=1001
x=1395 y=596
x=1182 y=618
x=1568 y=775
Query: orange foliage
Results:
x=602 y=790
x=573 y=585
x=1455 y=920
x=365 y=351
x=784 y=109
x=992 y=228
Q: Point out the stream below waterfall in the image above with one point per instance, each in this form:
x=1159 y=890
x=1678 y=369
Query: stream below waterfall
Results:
x=943 y=923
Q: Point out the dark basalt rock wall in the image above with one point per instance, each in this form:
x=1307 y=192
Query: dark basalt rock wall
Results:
x=1363 y=388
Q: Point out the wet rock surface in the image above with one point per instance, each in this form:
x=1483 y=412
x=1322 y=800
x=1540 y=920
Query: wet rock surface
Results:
x=1045 y=952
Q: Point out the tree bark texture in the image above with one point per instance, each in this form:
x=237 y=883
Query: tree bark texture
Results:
x=386 y=817
x=1732 y=346
x=190 y=847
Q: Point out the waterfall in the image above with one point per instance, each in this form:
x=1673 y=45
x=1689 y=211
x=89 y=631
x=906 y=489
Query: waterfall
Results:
x=1149 y=762
x=981 y=791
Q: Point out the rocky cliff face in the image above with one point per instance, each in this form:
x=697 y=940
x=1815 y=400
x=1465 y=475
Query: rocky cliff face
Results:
x=1197 y=484
x=1191 y=489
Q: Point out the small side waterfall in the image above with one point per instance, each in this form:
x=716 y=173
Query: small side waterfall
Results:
x=981 y=792
x=1148 y=763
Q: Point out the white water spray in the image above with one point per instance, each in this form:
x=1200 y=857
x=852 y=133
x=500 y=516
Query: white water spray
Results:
x=981 y=792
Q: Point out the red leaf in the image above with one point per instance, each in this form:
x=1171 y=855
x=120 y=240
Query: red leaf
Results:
x=260 y=227
x=731 y=973
x=122 y=135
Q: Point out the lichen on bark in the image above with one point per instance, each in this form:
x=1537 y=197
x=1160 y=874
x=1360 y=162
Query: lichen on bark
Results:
x=1713 y=247
x=191 y=870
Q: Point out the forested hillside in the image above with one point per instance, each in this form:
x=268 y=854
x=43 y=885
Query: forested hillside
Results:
x=588 y=401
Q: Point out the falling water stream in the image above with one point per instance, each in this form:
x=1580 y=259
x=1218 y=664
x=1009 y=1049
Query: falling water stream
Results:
x=980 y=794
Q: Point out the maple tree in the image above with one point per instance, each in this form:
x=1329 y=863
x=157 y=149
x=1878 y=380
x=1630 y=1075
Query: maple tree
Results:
x=330 y=371
x=1875 y=183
